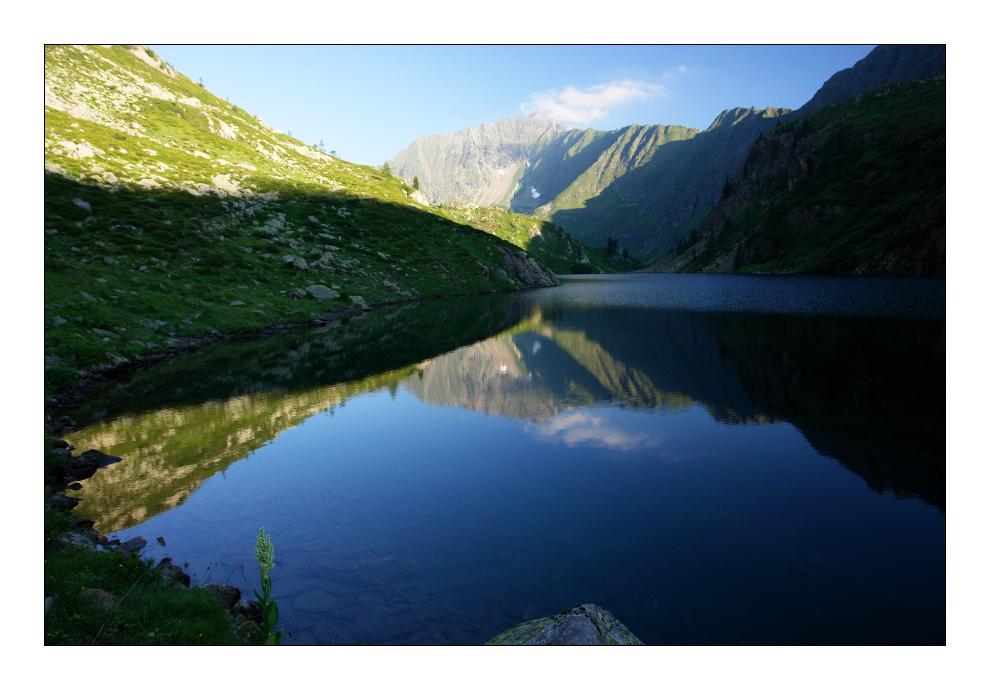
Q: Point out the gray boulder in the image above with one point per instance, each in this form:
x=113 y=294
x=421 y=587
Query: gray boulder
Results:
x=296 y=262
x=228 y=594
x=250 y=609
x=586 y=624
x=135 y=544
x=172 y=571
x=322 y=292
x=63 y=503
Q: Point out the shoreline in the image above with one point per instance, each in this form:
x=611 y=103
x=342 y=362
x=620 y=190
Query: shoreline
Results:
x=81 y=533
x=63 y=398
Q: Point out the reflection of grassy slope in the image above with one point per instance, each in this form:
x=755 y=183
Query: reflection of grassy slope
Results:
x=193 y=204
x=178 y=424
x=296 y=361
x=169 y=453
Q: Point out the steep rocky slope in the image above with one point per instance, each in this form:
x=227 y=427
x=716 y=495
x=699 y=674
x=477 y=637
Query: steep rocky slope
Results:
x=646 y=206
x=580 y=164
x=633 y=184
x=478 y=165
x=172 y=214
x=856 y=187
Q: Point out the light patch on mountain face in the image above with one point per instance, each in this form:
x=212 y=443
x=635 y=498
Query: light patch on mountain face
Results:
x=501 y=172
x=536 y=194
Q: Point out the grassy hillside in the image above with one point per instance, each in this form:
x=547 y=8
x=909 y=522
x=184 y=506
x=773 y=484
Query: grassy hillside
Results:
x=856 y=187
x=542 y=239
x=171 y=213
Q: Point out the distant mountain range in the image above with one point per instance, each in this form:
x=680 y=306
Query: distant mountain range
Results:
x=646 y=186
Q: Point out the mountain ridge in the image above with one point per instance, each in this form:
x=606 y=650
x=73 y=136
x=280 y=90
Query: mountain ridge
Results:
x=652 y=203
x=485 y=159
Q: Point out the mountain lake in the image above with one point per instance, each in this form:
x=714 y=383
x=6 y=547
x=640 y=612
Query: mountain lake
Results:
x=715 y=459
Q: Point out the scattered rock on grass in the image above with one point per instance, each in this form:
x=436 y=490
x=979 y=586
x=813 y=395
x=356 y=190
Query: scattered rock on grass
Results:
x=172 y=571
x=296 y=262
x=228 y=594
x=322 y=292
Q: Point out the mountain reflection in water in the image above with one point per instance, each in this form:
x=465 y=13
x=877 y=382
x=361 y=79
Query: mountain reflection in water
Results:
x=868 y=392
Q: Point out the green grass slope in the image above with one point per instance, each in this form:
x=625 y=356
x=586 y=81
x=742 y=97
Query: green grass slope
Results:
x=171 y=213
x=857 y=187
x=542 y=239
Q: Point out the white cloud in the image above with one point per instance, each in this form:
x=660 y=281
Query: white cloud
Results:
x=573 y=428
x=674 y=73
x=582 y=107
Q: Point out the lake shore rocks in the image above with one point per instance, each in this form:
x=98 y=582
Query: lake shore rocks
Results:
x=242 y=613
x=587 y=624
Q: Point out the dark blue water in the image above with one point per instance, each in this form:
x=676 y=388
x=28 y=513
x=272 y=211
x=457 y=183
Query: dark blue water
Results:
x=714 y=459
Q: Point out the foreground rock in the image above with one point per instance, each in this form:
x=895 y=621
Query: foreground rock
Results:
x=586 y=624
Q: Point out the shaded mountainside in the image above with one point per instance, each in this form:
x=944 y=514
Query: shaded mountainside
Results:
x=886 y=64
x=646 y=207
x=857 y=187
x=171 y=213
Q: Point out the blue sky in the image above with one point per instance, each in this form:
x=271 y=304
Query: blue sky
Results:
x=369 y=102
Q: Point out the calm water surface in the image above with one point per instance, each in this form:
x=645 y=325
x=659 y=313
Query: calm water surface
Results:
x=714 y=459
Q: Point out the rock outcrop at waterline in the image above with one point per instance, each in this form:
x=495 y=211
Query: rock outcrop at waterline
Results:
x=586 y=624
x=529 y=269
